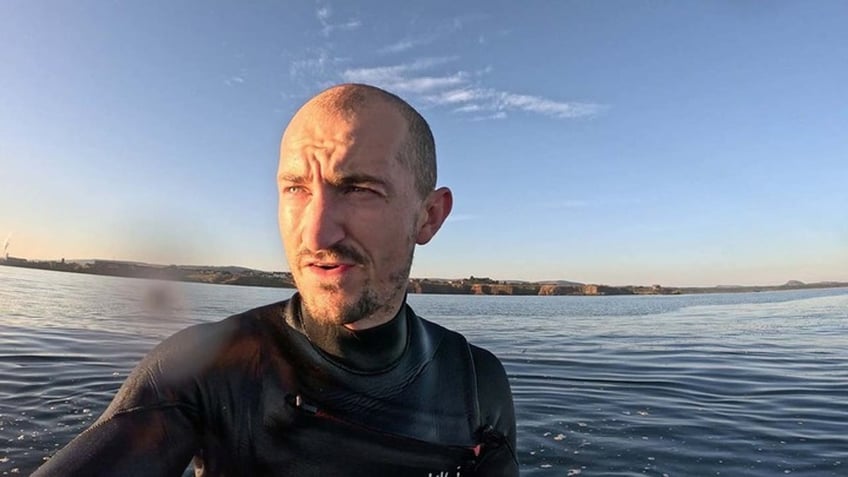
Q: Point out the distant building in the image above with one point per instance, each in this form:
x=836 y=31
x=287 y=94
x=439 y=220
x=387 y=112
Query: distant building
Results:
x=15 y=260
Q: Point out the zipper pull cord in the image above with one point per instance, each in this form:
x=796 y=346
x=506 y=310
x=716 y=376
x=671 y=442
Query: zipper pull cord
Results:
x=296 y=400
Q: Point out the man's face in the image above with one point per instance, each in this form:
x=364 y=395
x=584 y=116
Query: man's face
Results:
x=348 y=211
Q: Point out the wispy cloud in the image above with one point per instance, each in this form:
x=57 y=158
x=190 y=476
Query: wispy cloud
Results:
x=234 y=80
x=459 y=89
x=535 y=104
x=468 y=108
x=470 y=100
x=429 y=83
x=419 y=85
x=442 y=31
x=405 y=77
x=433 y=81
x=401 y=46
x=395 y=72
x=498 y=115
x=325 y=14
x=457 y=96
x=319 y=63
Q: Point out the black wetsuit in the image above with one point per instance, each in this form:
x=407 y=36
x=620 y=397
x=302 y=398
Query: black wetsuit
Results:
x=271 y=392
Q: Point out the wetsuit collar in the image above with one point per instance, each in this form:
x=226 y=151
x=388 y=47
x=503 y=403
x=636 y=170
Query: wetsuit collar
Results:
x=369 y=350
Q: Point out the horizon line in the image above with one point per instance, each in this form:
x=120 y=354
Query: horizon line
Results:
x=472 y=276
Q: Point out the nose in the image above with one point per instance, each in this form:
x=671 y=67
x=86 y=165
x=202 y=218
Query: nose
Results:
x=323 y=221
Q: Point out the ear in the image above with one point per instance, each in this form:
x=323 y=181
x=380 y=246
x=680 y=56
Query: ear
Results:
x=436 y=207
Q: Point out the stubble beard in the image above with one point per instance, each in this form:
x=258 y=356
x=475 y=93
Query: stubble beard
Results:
x=371 y=300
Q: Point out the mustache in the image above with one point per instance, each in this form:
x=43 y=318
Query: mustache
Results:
x=338 y=252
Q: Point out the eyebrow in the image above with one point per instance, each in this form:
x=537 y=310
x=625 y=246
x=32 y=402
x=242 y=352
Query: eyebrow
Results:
x=346 y=180
x=293 y=178
x=354 y=179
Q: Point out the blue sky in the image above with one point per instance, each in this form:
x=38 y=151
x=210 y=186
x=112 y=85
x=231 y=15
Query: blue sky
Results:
x=619 y=142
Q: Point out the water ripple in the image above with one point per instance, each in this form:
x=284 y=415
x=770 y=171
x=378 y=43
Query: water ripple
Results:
x=748 y=384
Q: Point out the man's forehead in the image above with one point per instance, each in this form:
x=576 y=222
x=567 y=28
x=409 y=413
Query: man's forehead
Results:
x=316 y=135
x=327 y=146
x=304 y=165
x=313 y=123
x=335 y=157
x=318 y=124
x=377 y=132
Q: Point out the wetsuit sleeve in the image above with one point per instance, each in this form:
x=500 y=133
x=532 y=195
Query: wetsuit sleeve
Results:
x=499 y=456
x=149 y=429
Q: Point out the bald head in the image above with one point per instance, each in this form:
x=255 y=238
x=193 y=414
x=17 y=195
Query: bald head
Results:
x=418 y=151
x=357 y=194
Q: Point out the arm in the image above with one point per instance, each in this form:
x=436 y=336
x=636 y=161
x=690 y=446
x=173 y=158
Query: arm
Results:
x=149 y=442
x=149 y=428
x=499 y=456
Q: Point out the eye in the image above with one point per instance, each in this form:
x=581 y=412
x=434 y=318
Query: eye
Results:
x=293 y=189
x=358 y=190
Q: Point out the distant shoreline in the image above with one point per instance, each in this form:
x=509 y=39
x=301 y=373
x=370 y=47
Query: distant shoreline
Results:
x=465 y=286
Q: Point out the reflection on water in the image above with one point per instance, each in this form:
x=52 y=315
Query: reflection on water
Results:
x=748 y=384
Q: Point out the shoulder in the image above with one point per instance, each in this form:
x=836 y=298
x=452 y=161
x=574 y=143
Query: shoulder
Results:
x=494 y=394
x=493 y=391
x=207 y=341
x=497 y=413
x=487 y=364
x=198 y=355
x=492 y=383
x=488 y=369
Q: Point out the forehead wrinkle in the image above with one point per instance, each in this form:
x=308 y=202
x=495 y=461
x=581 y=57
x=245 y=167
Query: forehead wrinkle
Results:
x=317 y=148
x=308 y=155
x=330 y=159
x=321 y=139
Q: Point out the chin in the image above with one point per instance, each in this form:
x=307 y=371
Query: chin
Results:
x=332 y=307
x=335 y=305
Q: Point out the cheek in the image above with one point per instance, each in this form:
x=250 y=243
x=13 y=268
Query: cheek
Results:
x=288 y=222
x=392 y=236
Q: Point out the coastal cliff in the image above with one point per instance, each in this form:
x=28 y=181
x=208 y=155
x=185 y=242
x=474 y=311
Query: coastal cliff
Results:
x=465 y=286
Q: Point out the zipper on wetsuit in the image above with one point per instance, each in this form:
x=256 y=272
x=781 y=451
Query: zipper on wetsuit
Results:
x=297 y=401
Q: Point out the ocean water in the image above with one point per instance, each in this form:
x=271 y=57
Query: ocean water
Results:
x=752 y=384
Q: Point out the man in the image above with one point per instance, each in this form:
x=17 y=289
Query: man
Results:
x=343 y=378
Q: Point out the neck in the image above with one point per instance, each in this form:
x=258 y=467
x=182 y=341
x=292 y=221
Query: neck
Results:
x=376 y=346
x=374 y=320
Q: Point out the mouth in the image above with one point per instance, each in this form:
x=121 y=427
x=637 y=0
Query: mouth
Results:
x=334 y=264
x=327 y=268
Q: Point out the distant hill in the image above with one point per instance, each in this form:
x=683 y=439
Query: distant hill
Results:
x=229 y=268
x=236 y=275
x=564 y=283
x=225 y=268
x=544 y=282
x=503 y=282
